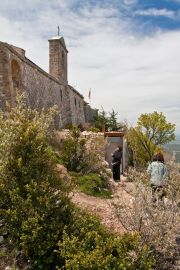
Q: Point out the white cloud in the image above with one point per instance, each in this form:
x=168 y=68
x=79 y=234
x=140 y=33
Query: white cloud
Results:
x=156 y=12
x=130 y=2
x=126 y=71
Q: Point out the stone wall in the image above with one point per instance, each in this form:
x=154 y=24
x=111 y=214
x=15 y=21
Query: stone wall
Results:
x=77 y=107
x=89 y=113
x=18 y=73
x=58 y=58
x=42 y=90
x=5 y=89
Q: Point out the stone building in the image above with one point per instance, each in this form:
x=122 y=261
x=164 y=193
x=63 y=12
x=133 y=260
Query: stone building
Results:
x=43 y=90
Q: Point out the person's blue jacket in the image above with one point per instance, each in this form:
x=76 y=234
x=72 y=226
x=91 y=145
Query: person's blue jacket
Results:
x=158 y=173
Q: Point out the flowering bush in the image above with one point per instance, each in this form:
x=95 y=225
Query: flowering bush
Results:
x=83 y=152
x=157 y=223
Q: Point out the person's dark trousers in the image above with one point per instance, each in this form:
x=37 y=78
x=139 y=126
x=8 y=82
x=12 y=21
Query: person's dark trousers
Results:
x=116 y=172
x=157 y=190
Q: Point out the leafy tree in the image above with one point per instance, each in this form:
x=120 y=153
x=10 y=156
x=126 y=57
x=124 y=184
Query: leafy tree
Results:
x=150 y=134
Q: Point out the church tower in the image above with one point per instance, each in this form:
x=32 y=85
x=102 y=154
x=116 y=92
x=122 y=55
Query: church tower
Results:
x=58 y=58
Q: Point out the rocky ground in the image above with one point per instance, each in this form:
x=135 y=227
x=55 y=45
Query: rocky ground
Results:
x=103 y=208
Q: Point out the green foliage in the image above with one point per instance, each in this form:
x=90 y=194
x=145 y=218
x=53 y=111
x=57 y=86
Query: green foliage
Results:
x=73 y=151
x=36 y=211
x=87 y=246
x=92 y=184
x=150 y=134
x=94 y=129
x=112 y=121
x=71 y=126
x=83 y=154
x=34 y=214
x=109 y=121
x=36 y=222
x=24 y=150
x=156 y=128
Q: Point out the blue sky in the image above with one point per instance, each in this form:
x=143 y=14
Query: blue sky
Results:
x=126 y=51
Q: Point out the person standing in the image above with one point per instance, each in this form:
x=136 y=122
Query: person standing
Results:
x=116 y=162
x=158 y=173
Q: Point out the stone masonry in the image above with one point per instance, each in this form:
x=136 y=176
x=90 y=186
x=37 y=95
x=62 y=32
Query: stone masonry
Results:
x=43 y=90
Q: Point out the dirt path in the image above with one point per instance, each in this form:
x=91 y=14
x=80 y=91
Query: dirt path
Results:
x=103 y=208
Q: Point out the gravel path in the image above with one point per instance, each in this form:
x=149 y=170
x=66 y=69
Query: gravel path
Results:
x=103 y=208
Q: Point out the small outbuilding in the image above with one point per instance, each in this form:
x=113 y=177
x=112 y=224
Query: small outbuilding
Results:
x=115 y=138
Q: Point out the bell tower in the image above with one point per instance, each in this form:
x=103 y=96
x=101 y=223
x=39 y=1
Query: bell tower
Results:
x=58 y=58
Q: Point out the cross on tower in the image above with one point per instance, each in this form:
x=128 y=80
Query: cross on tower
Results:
x=58 y=31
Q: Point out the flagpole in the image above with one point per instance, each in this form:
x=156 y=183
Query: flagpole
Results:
x=89 y=97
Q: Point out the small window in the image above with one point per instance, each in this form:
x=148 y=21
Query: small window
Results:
x=79 y=104
x=61 y=95
x=75 y=101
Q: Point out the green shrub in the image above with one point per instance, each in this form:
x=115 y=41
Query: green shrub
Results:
x=36 y=223
x=71 y=126
x=92 y=184
x=85 y=154
x=94 y=129
x=87 y=246
x=73 y=151
x=34 y=212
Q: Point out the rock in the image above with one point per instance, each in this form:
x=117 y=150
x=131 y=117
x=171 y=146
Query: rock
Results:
x=1 y=239
x=63 y=173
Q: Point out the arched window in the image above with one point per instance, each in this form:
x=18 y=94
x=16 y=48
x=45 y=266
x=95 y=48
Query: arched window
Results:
x=16 y=74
